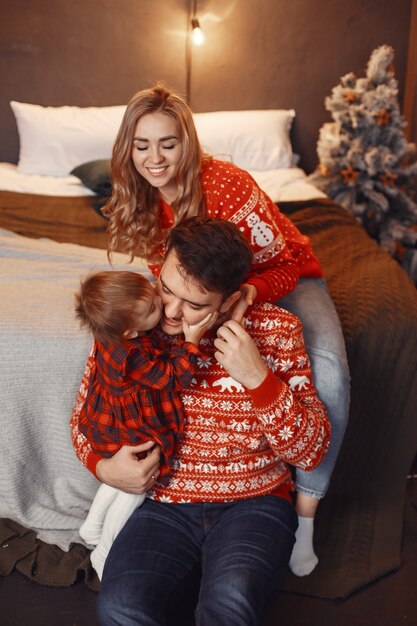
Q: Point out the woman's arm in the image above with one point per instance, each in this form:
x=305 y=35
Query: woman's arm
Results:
x=232 y=194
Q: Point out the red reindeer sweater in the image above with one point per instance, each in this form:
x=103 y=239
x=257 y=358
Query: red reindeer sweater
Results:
x=238 y=443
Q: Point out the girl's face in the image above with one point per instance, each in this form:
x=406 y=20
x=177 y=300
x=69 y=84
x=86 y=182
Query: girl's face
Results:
x=157 y=152
x=146 y=313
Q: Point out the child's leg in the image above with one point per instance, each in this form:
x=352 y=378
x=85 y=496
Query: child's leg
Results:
x=116 y=517
x=91 y=529
x=303 y=558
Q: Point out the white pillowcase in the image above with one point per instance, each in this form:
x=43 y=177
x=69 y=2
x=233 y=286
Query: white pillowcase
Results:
x=253 y=140
x=54 y=140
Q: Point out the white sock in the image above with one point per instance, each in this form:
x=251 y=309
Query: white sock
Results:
x=303 y=558
x=98 y=557
x=116 y=517
x=91 y=529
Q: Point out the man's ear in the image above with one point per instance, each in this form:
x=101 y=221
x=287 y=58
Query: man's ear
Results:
x=230 y=301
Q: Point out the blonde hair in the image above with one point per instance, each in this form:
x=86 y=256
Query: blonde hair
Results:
x=105 y=302
x=133 y=209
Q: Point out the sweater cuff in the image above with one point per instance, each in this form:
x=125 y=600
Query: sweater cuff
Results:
x=263 y=290
x=92 y=461
x=268 y=391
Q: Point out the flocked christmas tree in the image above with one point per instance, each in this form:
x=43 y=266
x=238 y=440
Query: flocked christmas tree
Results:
x=365 y=161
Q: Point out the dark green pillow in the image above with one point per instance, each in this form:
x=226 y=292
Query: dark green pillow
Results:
x=96 y=175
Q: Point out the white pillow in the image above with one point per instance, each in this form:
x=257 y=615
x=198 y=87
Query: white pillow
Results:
x=253 y=140
x=54 y=140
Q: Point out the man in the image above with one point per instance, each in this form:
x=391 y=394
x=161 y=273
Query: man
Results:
x=251 y=411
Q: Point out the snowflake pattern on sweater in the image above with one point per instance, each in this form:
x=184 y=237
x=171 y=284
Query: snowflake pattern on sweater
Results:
x=238 y=443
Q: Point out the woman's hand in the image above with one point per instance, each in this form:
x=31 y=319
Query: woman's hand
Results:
x=239 y=355
x=248 y=294
x=126 y=471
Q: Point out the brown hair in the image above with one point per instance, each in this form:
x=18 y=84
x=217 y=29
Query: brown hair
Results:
x=134 y=224
x=213 y=252
x=105 y=301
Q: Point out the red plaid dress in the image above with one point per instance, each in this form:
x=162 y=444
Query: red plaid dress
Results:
x=133 y=395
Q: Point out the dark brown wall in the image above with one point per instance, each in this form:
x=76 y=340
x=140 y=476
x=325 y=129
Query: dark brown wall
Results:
x=410 y=95
x=258 y=54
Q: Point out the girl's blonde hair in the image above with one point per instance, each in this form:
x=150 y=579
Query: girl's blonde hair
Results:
x=105 y=302
x=133 y=209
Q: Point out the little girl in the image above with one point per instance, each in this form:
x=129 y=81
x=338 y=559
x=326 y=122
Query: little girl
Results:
x=133 y=392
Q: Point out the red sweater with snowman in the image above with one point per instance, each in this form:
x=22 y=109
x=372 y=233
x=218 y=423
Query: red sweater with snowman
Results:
x=281 y=254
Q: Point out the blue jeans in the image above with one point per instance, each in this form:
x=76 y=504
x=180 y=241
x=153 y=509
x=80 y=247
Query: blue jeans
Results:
x=244 y=547
x=311 y=302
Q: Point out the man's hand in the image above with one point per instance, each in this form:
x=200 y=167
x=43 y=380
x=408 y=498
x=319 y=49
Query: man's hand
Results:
x=247 y=297
x=238 y=354
x=125 y=471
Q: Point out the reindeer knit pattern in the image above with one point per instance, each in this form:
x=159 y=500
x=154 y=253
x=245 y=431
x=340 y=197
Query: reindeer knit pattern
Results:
x=236 y=442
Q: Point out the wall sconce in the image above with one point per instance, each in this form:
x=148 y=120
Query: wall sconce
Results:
x=195 y=36
x=196 y=32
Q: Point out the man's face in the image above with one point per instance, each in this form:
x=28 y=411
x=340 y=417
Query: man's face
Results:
x=183 y=298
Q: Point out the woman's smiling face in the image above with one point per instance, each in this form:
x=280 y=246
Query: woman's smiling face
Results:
x=157 y=152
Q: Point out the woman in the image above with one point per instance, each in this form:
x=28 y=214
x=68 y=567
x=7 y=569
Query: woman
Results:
x=160 y=176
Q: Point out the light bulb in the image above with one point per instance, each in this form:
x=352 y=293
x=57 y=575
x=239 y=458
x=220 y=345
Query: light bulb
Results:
x=197 y=34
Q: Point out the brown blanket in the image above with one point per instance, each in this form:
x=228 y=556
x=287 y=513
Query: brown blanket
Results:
x=64 y=219
x=359 y=524
x=42 y=562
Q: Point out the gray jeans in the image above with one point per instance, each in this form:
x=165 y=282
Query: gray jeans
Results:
x=311 y=302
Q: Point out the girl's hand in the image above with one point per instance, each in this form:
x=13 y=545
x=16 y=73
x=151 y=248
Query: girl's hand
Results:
x=194 y=332
x=127 y=472
x=248 y=294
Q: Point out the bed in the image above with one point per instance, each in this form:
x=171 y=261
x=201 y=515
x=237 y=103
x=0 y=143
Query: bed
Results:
x=52 y=233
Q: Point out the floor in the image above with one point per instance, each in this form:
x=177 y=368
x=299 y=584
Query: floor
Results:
x=391 y=601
